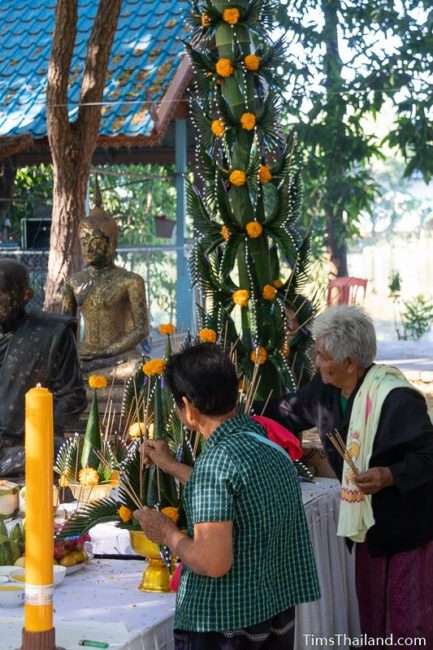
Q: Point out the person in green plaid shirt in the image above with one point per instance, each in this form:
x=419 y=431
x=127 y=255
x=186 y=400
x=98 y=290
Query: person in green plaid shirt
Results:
x=247 y=557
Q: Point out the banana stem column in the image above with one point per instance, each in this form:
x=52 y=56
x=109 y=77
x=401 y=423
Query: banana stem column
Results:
x=38 y=629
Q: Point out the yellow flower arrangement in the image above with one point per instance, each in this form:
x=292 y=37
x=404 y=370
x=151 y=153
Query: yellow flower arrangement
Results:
x=225 y=233
x=171 y=513
x=278 y=283
x=269 y=292
x=238 y=177
x=241 y=297
x=248 y=121
x=88 y=476
x=259 y=356
x=63 y=481
x=167 y=329
x=254 y=229
x=218 y=127
x=224 y=68
x=205 y=20
x=252 y=62
x=207 y=336
x=97 y=381
x=136 y=430
x=114 y=478
x=154 y=367
x=265 y=174
x=125 y=514
x=231 y=16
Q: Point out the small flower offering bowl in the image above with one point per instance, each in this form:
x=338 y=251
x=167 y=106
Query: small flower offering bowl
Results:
x=156 y=576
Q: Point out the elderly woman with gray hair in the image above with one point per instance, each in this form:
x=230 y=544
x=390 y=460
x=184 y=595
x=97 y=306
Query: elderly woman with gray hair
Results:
x=387 y=487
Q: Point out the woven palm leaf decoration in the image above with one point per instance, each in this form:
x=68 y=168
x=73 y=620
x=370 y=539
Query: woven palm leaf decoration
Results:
x=250 y=261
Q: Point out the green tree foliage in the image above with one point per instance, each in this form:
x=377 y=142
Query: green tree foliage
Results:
x=251 y=259
x=346 y=59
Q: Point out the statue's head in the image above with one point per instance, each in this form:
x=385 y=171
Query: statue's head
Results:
x=15 y=291
x=98 y=235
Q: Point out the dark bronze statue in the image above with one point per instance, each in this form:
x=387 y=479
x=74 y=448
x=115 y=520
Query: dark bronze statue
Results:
x=111 y=300
x=35 y=347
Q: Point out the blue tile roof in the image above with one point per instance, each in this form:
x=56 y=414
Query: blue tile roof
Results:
x=145 y=56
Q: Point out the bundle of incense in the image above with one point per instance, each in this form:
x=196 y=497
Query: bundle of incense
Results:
x=338 y=443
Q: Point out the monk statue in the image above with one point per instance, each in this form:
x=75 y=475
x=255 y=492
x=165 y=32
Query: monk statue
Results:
x=111 y=300
x=35 y=347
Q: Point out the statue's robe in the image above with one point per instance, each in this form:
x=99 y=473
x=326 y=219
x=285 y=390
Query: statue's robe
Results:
x=41 y=349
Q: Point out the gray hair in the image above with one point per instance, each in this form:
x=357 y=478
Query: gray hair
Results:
x=345 y=332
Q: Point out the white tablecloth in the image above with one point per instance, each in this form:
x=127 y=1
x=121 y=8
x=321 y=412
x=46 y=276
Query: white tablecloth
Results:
x=89 y=603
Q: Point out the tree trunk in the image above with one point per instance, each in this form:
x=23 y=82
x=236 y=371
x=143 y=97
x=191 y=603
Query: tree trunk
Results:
x=334 y=121
x=72 y=145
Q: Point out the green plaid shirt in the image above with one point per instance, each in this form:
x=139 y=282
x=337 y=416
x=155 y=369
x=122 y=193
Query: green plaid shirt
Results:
x=238 y=478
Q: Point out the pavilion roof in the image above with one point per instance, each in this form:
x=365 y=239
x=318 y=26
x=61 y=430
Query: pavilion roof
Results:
x=147 y=73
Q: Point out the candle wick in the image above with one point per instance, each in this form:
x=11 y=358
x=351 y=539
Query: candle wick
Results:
x=38 y=385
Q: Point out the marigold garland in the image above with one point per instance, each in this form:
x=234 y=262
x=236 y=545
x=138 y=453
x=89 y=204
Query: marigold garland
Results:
x=269 y=292
x=218 y=127
x=97 y=381
x=171 y=513
x=167 y=329
x=248 y=121
x=205 y=20
x=231 y=16
x=265 y=174
x=207 y=335
x=154 y=367
x=114 y=478
x=238 y=177
x=252 y=62
x=254 y=229
x=278 y=283
x=241 y=297
x=259 y=356
x=224 y=68
x=125 y=514
x=88 y=476
x=225 y=233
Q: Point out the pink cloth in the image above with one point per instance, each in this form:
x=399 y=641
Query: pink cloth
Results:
x=280 y=435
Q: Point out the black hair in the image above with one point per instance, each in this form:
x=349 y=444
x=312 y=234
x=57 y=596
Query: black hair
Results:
x=205 y=376
x=15 y=275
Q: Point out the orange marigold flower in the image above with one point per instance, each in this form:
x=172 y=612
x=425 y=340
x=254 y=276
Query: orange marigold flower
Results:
x=136 y=430
x=97 y=381
x=252 y=62
x=259 y=356
x=269 y=292
x=205 y=19
x=248 y=121
x=265 y=174
x=224 y=67
x=154 y=367
x=167 y=328
x=231 y=16
x=225 y=233
x=278 y=283
x=88 y=476
x=125 y=514
x=171 y=513
x=218 y=127
x=241 y=297
x=114 y=478
x=207 y=335
x=238 y=177
x=254 y=229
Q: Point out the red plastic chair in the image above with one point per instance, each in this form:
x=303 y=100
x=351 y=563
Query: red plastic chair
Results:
x=346 y=291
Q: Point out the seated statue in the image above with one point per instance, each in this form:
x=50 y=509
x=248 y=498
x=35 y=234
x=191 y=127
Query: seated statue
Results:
x=111 y=300
x=35 y=347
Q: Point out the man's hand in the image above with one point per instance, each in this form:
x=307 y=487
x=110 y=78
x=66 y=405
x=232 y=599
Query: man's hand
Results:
x=374 y=480
x=158 y=452
x=158 y=527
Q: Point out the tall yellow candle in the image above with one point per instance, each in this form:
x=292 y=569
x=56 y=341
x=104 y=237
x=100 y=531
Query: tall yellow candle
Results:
x=39 y=448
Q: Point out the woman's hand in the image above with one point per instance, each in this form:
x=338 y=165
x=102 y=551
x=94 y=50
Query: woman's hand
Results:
x=157 y=526
x=158 y=452
x=374 y=480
